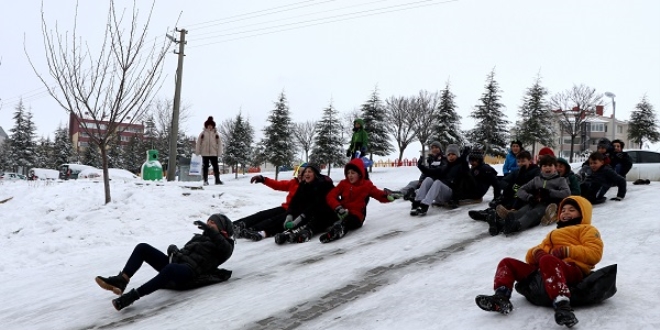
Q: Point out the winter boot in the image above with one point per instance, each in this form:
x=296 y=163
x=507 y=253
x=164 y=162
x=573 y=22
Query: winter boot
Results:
x=414 y=209
x=511 y=225
x=125 y=300
x=495 y=224
x=218 y=181
x=206 y=183
x=478 y=215
x=550 y=215
x=499 y=302
x=304 y=235
x=252 y=235
x=564 y=313
x=281 y=238
x=422 y=209
x=239 y=228
x=600 y=200
x=409 y=195
x=502 y=211
x=336 y=232
x=116 y=284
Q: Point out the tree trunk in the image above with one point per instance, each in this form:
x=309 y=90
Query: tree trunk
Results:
x=277 y=172
x=106 y=177
x=329 y=169
x=401 y=154
x=572 y=146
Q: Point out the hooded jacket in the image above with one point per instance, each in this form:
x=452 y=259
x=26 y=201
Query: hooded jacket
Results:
x=309 y=199
x=572 y=179
x=605 y=176
x=510 y=163
x=585 y=246
x=208 y=143
x=206 y=251
x=553 y=182
x=360 y=139
x=353 y=196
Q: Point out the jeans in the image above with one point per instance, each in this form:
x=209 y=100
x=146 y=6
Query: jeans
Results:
x=159 y=261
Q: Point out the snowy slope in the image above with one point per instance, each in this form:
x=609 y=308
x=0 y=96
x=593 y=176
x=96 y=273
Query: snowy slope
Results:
x=398 y=272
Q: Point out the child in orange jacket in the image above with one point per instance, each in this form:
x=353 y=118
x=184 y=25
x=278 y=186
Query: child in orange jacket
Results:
x=563 y=258
x=349 y=200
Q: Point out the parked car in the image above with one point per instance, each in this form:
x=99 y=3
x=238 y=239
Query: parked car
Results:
x=71 y=171
x=646 y=165
x=9 y=176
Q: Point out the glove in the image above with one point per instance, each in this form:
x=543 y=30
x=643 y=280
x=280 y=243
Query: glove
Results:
x=618 y=199
x=420 y=162
x=538 y=253
x=560 y=252
x=257 y=179
x=392 y=198
x=201 y=225
x=348 y=153
x=341 y=212
x=544 y=193
x=291 y=223
x=172 y=249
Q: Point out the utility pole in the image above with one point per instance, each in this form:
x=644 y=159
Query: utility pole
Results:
x=174 y=130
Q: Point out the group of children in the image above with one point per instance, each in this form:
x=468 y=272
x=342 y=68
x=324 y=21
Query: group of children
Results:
x=528 y=194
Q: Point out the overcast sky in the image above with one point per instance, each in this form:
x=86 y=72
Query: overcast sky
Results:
x=611 y=45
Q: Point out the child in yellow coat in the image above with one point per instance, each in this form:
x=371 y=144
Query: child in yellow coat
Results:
x=563 y=258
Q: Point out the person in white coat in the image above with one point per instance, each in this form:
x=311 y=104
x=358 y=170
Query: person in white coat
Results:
x=209 y=146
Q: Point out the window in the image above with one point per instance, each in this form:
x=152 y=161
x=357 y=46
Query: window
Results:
x=650 y=157
x=619 y=129
x=597 y=127
x=567 y=140
x=125 y=138
x=83 y=144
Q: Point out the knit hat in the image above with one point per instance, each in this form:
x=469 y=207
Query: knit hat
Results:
x=436 y=144
x=517 y=142
x=546 y=151
x=209 y=122
x=564 y=162
x=315 y=168
x=223 y=223
x=453 y=149
x=476 y=155
x=604 y=143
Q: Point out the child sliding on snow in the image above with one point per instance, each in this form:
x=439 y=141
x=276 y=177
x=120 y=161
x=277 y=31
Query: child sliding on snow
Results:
x=563 y=258
x=200 y=256
x=349 y=200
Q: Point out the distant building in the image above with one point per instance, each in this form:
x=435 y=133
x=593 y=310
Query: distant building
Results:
x=594 y=128
x=80 y=138
x=3 y=136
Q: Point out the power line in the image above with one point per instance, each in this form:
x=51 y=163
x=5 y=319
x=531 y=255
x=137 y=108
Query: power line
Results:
x=419 y=4
x=288 y=18
x=252 y=14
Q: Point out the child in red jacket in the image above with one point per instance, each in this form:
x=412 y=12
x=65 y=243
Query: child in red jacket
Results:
x=349 y=200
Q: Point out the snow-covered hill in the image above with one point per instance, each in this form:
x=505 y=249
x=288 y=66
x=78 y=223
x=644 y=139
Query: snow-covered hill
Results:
x=398 y=272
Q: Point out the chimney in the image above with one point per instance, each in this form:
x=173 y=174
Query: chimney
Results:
x=599 y=110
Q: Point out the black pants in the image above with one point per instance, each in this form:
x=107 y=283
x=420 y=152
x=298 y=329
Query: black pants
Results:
x=205 y=168
x=159 y=261
x=595 y=193
x=271 y=221
x=351 y=222
x=530 y=216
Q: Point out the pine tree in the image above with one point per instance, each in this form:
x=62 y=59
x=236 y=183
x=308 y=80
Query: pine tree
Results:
x=114 y=153
x=5 y=155
x=447 y=123
x=374 y=116
x=327 y=144
x=92 y=156
x=62 y=149
x=43 y=153
x=134 y=154
x=643 y=124
x=237 y=151
x=22 y=145
x=490 y=130
x=278 y=136
x=536 y=118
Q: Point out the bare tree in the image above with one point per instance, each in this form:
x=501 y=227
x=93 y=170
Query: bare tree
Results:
x=574 y=106
x=423 y=113
x=400 y=124
x=113 y=87
x=162 y=114
x=304 y=135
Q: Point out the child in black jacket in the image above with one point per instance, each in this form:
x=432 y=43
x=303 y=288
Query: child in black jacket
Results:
x=597 y=178
x=200 y=256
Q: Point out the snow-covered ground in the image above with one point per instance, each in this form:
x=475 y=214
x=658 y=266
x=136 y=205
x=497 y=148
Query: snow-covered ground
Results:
x=398 y=272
